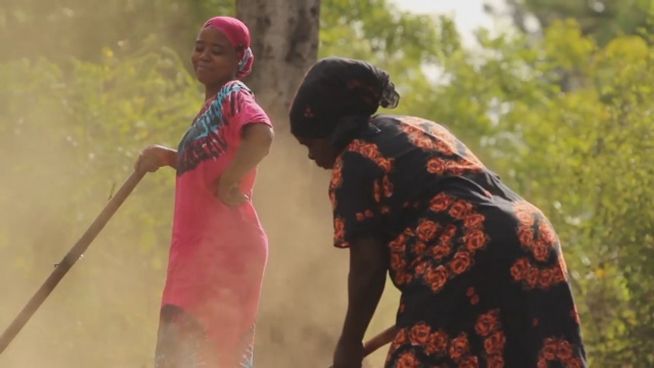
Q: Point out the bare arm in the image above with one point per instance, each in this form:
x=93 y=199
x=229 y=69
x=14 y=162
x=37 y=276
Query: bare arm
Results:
x=368 y=266
x=155 y=156
x=255 y=145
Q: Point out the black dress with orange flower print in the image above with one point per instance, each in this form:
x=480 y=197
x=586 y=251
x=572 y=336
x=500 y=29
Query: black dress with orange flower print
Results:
x=482 y=277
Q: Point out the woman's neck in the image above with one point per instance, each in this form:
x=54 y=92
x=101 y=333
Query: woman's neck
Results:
x=210 y=91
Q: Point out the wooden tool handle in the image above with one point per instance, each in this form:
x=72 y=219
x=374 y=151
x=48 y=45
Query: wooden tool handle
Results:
x=69 y=260
x=379 y=340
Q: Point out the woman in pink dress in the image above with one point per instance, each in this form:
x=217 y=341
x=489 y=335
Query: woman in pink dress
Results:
x=219 y=249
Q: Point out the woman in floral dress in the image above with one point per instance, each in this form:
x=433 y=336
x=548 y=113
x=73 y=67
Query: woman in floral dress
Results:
x=482 y=278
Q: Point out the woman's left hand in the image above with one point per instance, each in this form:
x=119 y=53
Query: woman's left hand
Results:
x=348 y=354
x=229 y=192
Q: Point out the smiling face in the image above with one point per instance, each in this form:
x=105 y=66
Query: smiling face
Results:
x=214 y=59
x=321 y=151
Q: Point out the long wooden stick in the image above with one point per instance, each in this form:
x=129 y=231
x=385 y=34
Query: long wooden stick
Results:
x=69 y=260
x=379 y=340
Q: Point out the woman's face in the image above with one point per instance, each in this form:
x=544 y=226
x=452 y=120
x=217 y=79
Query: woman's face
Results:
x=214 y=58
x=321 y=151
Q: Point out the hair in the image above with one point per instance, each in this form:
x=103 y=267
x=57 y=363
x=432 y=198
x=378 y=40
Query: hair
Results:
x=337 y=98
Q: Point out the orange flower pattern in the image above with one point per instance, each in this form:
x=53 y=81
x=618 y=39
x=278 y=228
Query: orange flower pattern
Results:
x=472 y=296
x=371 y=151
x=339 y=232
x=543 y=266
x=454 y=158
x=431 y=244
x=465 y=251
x=558 y=350
x=412 y=343
x=336 y=180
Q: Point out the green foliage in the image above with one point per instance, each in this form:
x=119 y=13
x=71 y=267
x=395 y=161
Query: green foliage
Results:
x=400 y=42
x=602 y=20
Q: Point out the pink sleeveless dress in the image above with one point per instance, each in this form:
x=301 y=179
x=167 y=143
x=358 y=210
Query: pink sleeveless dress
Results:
x=218 y=254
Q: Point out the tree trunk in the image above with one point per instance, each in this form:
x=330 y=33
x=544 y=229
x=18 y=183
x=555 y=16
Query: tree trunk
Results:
x=291 y=197
x=285 y=45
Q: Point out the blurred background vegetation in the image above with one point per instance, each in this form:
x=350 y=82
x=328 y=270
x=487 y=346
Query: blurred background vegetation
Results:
x=562 y=111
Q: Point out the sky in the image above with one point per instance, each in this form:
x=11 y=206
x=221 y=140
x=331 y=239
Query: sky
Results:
x=468 y=15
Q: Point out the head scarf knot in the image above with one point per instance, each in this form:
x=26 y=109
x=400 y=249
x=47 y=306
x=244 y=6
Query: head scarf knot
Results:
x=238 y=35
x=337 y=98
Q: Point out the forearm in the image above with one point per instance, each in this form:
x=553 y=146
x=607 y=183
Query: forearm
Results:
x=155 y=156
x=255 y=145
x=365 y=288
x=368 y=266
x=171 y=158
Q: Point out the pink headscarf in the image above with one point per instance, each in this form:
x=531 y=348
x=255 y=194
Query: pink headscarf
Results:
x=238 y=35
